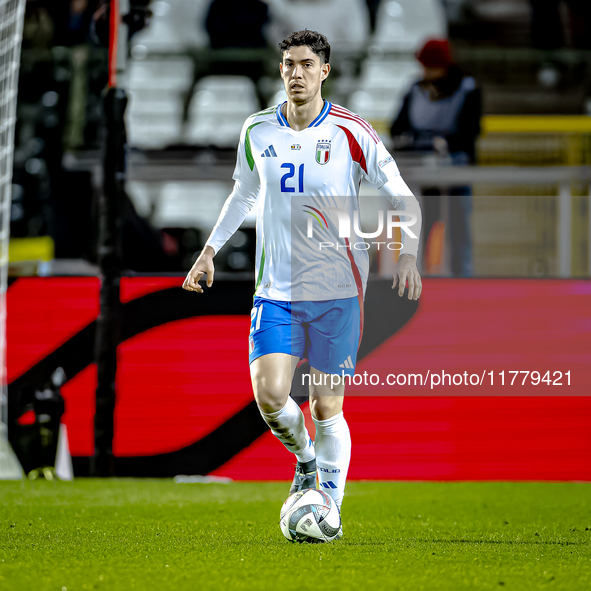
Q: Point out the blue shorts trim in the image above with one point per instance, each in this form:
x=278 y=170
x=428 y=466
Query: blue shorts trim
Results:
x=327 y=333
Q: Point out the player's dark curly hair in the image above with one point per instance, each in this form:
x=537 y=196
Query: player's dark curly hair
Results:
x=317 y=42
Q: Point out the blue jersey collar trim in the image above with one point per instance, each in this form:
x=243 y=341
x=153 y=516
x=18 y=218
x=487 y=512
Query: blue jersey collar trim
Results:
x=280 y=116
x=321 y=117
x=323 y=114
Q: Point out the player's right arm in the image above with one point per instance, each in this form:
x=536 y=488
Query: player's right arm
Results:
x=202 y=266
x=235 y=209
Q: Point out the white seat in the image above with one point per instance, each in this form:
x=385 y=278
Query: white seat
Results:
x=277 y=93
x=188 y=17
x=379 y=107
x=389 y=73
x=143 y=195
x=381 y=89
x=218 y=109
x=344 y=22
x=405 y=25
x=182 y=204
x=217 y=130
x=175 y=27
x=171 y=74
x=153 y=132
x=278 y=98
x=157 y=89
x=148 y=103
x=222 y=93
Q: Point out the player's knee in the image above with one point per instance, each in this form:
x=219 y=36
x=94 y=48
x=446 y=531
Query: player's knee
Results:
x=270 y=394
x=325 y=407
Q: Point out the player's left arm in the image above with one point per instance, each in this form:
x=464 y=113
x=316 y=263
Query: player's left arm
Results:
x=382 y=172
x=406 y=203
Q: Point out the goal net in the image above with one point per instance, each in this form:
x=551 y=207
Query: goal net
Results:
x=11 y=26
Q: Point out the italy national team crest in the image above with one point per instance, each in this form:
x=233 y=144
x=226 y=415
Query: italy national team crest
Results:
x=322 y=152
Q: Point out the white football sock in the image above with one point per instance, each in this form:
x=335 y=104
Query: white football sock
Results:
x=289 y=426
x=333 y=454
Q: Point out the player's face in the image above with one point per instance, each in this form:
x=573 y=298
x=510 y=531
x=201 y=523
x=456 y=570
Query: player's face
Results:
x=302 y=72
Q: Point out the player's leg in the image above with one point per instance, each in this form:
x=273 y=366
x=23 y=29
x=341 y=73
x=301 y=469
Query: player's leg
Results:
x=333 y=439
x=271 y=381
x=271 y=377
x=272 y=365
x=334 y=339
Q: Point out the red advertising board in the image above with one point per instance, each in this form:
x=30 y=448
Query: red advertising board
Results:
x=179 y=381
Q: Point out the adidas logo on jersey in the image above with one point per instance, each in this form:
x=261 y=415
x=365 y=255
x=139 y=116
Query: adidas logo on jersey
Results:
x=347 y=364
x=269 y=152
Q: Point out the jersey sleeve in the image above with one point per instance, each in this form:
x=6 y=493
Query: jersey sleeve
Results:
x=243 y=196
x=380 y=165
x=401 y=197
x=382 y=172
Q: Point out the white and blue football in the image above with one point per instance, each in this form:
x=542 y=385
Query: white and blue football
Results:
x=310 y=516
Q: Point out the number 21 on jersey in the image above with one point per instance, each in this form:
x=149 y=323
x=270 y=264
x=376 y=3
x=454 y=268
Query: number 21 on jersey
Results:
x=285 y=188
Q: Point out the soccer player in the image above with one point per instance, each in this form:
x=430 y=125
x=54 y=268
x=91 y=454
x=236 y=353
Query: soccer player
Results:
x=304 y=161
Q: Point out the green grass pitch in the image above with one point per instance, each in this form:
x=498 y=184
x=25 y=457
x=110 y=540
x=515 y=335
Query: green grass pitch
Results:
x=158 y=535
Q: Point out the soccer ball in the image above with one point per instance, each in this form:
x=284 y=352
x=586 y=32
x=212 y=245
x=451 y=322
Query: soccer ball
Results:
x=310 y=516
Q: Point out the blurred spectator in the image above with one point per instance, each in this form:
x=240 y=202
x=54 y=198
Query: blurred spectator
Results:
x=136 y=19
x=237 y=23
x=441 y=114
x=99 y=25
x=38 y=27
x=442 y=111
x=372 y=6
x=72 y=20
x=547 y=27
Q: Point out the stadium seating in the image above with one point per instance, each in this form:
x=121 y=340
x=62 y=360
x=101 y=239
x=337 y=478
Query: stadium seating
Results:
x=176 y=26
x=157 y=89
x=218 y=109
x=276 y=93
x=404 y=25
x=181 y=204
x=382 y=86
x=344 y=22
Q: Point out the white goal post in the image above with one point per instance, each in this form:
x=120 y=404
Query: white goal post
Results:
x=12 y=13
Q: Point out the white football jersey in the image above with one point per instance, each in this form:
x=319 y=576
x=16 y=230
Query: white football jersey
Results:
x=305 y=182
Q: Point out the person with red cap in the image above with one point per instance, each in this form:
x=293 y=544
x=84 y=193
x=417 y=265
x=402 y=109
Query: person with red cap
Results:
x=441 y=114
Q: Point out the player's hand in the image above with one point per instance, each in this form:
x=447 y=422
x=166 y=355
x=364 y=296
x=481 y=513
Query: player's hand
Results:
x=202 y=266
x=406 y=270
